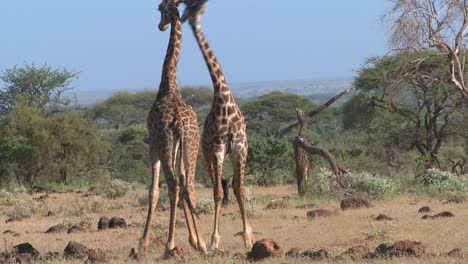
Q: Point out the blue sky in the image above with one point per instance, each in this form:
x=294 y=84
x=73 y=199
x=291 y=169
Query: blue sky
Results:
x=115 y=44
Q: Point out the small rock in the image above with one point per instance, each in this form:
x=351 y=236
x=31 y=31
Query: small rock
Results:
x=49 y=214
x=354 y=203
x=443 y=215
x=96 y=256
x=357 y=251
x=424 y=209
x=265 y=248
x=26 y=248
x=176 y=252
x=103 y=223
x=456 y=200
x=295 y=252
x=51 y=255
x=382 y=217
x=426 y=217
x=13 y=219
x=117 y=222
x=56 y=229
x=9 y=232
x=306 y=206
x=279 y=203
x=319 y=213
x=23 y=258
x=316 y=255
x=455 y=253
x=75 y=229
x=75 y=250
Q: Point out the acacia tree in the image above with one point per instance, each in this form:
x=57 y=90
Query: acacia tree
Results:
x=419 y=95
x=42 y=88
x=433 y=24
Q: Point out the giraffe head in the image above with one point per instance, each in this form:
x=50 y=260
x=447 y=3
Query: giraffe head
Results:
x=168 y=9
x=194 y=10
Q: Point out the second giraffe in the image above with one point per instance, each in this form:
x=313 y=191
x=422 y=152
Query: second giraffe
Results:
x=224 y=131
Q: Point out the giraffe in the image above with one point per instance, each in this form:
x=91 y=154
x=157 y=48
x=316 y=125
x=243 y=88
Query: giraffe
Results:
x=224 y=129
x=173 y=135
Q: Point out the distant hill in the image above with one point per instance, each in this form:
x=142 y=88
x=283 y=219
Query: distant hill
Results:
x=318 y=90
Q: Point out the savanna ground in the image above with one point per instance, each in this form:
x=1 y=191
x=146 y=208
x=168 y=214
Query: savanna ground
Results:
x=289 y=227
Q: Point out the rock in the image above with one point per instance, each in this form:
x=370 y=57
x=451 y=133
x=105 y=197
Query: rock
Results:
x=56 y=229
x=279 y=203
x=75 y=250
x=357 y=251
x=265 y=248
x=26 y=248
x=13 y=219
x=404 y=248
x=443 y=215
x=319 y=213
x=96 y=256
x=354 y=203
x=23 y=258
x=382 y=217
x=51 y=255
x=409 y=248
x=383 y=250
x=75 y=229
x=117 y=222
x=426 y=217
x=41 y=198
x=424 y=209
x=176 y=252
x=103 y=223
x=455 y=253
x=456 y=200
x=316 y=255
x=49 y=214
x=306 y=206
x=295 y=252
x=9 y=232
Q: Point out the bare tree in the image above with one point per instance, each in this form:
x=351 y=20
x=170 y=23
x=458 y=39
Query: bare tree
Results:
x=433 y=24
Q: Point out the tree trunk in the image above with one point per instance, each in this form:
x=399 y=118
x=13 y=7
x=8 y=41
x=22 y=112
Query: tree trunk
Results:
x=302 y=166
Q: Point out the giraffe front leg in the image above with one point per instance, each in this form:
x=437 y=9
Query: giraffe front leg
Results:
x=238 y=164
x=217 y=195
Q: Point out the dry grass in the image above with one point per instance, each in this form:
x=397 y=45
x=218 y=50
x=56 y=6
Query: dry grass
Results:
x=289 y=227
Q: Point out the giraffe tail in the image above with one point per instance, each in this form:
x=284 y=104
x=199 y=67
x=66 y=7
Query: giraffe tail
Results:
x=184 y=173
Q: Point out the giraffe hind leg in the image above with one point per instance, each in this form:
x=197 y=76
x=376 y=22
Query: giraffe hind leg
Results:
x=153 y=200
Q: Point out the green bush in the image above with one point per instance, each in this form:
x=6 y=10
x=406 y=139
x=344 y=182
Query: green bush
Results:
x=445 y=183
x=205 y=206
x=371 y=184
x=117 y=188
x=364 y=183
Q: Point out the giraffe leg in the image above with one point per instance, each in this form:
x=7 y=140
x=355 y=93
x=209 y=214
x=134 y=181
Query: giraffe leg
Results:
x=173 y=190
x=238 y=159
x=153 y=201
x=217 y=165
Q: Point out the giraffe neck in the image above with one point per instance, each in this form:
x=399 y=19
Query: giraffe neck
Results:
x=220 y=86
x=168 y=83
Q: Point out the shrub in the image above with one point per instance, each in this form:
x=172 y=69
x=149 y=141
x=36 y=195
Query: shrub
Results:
x=116 y=189
x=25 y=208
x=205 y=206
x=362 y=182
x=92 y=204
x=372 y=185
x=439 y=182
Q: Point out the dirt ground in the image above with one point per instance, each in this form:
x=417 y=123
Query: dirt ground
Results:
x=289 y=227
